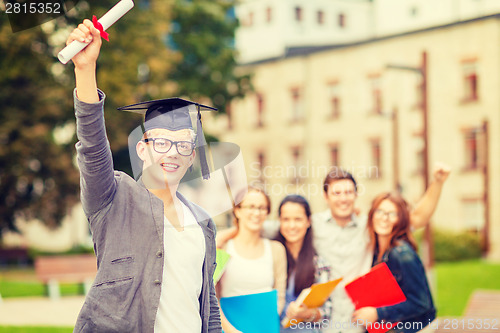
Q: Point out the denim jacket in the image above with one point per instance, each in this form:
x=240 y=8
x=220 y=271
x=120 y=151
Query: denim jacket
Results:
x=409 y=272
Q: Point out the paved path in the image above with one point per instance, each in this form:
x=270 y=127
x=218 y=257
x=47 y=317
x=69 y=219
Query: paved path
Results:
x=40 y=311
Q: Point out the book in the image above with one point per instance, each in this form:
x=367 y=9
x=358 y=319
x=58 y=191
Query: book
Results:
x=222 y=258
x=313 y=297
x=376 y=288
x=253 y=313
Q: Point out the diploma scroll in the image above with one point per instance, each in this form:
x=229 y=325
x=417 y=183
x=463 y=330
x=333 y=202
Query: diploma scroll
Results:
x=107 y=20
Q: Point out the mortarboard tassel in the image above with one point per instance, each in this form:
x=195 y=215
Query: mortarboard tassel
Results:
x=201 y=149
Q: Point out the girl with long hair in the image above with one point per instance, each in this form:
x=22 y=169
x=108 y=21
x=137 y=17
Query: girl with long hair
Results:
x=393 y=243
x=304 y=265
x=257 y=264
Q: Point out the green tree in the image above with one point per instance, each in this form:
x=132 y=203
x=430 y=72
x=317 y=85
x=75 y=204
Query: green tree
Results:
x=203 y=35
x=37 y=178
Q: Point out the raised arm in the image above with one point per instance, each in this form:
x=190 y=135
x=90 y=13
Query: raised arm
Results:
x=280 y=273
x=424 y=209
x=85 y=61
x=94 y=155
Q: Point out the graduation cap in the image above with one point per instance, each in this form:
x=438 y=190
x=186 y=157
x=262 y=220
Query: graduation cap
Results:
x=174 y=114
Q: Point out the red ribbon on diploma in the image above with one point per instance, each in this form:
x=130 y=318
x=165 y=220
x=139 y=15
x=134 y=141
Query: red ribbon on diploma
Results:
x=99 y=27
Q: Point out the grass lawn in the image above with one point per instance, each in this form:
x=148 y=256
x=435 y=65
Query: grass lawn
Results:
x=457 y=280
x=35 y=329
x=23 y=282
x=455 y=283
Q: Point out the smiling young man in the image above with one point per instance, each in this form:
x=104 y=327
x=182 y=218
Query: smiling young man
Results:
x=155 y=249
x=342 y=239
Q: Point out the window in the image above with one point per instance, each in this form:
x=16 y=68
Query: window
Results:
x=376 y=93
x=269 y=14
x=376 y=159
x=261 y=160
x=297 y=112
x=296 y=164
x=260 y=110
x=341 y=20
x=320 y=17
x=334 y=99
x=334 y=155
x=470 y=81
x=298 y=14
x=471 y=138
x=473 y=214
x=414 y=11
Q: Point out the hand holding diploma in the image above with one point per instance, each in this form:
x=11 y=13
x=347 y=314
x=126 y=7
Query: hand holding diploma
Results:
x=114 y=14
x=88 y=35
x=85 y=61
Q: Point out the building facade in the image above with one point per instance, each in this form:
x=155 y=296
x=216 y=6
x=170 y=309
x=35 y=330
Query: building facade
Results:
x=273 y=28
x=359 y=106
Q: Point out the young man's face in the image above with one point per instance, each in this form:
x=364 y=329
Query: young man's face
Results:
x=340 y=197
x=170 y=166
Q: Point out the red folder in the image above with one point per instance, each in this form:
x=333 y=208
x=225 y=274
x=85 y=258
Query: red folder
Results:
x=376 y=288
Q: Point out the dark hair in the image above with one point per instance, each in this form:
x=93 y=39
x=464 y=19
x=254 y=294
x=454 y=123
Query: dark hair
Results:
x=401 y=230
x=337 y=174
x=241 y=195
x=304 y=274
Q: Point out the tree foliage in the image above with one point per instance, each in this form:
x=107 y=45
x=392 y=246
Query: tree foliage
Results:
x=36 y=174
x=38 y=177
x=203 y=34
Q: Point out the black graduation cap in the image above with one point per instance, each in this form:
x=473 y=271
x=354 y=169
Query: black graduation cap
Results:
x=173 y=114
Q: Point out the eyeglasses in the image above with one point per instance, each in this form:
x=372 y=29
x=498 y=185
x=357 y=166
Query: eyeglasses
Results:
x=162 y=146
x=391 y=216
x=260 y=209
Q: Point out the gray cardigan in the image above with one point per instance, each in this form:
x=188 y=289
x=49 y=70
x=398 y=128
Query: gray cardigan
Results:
x=126 y=221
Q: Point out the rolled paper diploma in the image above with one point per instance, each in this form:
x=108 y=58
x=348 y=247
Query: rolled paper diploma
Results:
x=107 y=20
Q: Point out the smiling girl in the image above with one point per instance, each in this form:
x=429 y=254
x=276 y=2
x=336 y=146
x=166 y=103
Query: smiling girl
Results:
x=389 y=228
x=304 y=265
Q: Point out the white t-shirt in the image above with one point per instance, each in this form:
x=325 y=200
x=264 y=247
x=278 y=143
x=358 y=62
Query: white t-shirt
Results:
x=179 y=309
x=247 y=276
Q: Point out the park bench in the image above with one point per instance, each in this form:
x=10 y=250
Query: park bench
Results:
x=65 y=268
x=17 y=255
x=482 y=314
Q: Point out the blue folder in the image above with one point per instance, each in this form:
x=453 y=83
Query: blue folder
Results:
x=253 y=313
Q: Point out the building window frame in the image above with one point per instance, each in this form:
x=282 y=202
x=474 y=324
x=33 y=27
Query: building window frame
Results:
x=375 y=86
x=478 y=221
x=260 y=108
x=299 y=14
x=297 y=104
x=472 y=148
x=297 y=153
x=375 y=158
x=261 y=160
x=341 y=20
x=470 y=81
x=334 y=150
x=320 y=17
x=334 y=100
x=269 y=15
